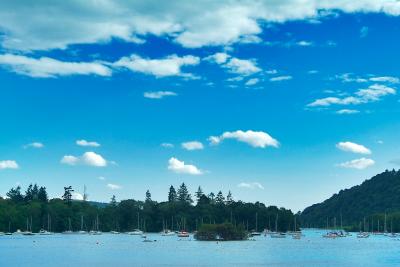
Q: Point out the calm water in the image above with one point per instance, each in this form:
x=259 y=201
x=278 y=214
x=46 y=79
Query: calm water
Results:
x=126 y=250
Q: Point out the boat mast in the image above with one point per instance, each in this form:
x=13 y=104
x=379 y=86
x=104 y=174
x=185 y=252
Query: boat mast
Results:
x=256 y=221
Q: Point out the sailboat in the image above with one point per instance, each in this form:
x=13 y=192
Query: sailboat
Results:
x=183 y=232
x=136 y=231
x=276 y=234
x=28 y=227
x=69 y=231
x=96 y=230
x=363 y=234
x=82 y=232
x=46 y=232
x=296 y=234
x=166 y=231
x=255 y=232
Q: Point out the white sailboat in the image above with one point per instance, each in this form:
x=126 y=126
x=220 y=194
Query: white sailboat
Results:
x=69 y=231
x=48 y=231
x=96 y=230
x=82 y=232
x=276 y=234
x=136 y=231
x=255 y=232
x=28 y=228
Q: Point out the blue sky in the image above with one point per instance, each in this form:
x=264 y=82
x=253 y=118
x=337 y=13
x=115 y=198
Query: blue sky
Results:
x=280 y=102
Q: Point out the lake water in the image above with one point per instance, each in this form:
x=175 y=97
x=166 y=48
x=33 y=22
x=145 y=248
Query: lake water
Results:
x=127 y=250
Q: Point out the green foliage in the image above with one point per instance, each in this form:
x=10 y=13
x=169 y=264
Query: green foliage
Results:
x=172 y=197
x=370 y=200
x=123 y=216
x=225 y=231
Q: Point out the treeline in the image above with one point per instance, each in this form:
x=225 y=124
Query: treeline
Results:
x=364 y=204
x=180 y=212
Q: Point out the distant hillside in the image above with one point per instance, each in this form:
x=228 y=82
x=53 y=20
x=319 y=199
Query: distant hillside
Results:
x=378 y=195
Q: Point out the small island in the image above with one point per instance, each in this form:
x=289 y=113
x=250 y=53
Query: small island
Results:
x=221 y=232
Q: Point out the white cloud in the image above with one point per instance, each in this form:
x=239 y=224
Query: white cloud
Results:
x=77 y=196
x=252 y=81
x=192 y=145
x=87 y=143
x=114 y=186
x=69 y=160
x=8 y=164
x=304 y=43
x=242 y=66
x=101 y=178
x=364 y=31
x=373 y=93
x=253 y=185
x=271 y=71
x=353 y=147
x=312 y=72
x=359 y=164
x=281 y=78
x=45 y=67
x=252 y=138
x=388 y=79
x=347 y=111
x=350 y=78
x=34 y=145
x=88 y=158
x=167 y=145
x=158 y=94
x=178 y=166
x=234 y=65
x=219 y=58
x=168 y=66
x=59 y=24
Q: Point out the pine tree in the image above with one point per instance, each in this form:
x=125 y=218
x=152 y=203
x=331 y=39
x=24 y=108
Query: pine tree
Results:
x=42 y=194
x=29 y=193
x=67 y=197
x=15 y=194
x=211 y=196
x=113 y=201
x=148 y=196
x=182 y=193
x=172 y=194
x=199 y=193
x=229 y=198
x=35 y=192
x=220 y=199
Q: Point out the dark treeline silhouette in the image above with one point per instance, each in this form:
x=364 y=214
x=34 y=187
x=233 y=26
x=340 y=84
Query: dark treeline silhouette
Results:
x=360 y=207
x=180 y=212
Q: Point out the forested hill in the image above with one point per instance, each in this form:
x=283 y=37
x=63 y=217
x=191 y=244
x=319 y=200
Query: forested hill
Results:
x=374 y=197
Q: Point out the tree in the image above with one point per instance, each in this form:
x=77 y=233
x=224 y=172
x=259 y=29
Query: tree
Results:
x=148 y=196
x=67 y=197
x=113 y=201
x=15 y=194
x=183 y=194
x=35 y=192
x=199 y=193
x=229 y=198
x=211 y=196
x=29 y=193
x=220 y=199
x=42 y=194
x=172 y=194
